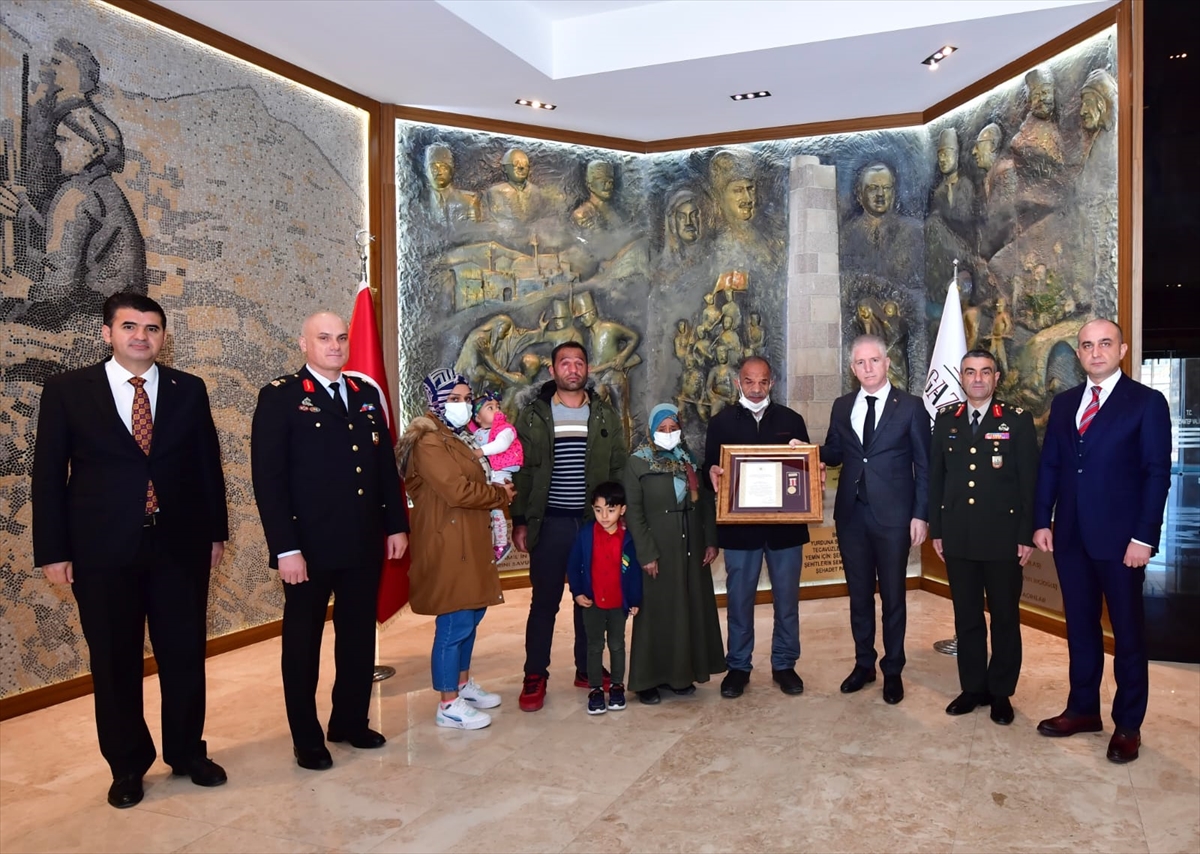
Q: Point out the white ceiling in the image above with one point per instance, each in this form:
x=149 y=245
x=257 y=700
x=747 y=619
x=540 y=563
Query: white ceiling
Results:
x=648 y=69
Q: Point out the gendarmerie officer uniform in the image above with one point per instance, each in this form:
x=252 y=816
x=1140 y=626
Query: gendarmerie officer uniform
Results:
x=327 y=486
x=981 y=491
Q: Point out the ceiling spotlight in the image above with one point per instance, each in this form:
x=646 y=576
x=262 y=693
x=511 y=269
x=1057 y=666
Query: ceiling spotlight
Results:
x=937 y=56
x=537 y=105
x=933 y=66
x=750 y=96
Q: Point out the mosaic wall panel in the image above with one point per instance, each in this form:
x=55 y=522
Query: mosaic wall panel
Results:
x=671 y=267
x=228 y=194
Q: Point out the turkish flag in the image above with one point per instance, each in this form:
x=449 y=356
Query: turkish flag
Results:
x=366 y=363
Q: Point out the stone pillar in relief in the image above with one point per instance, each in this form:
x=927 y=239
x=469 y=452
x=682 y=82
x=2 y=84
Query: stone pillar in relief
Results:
x=814 y=336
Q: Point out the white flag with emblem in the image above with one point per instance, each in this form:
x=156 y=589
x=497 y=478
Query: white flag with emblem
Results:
x=943 y=384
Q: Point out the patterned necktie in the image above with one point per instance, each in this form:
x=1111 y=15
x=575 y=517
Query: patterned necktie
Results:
x=975 y=423
x=338 y=403
x=1092 y=408
x=142 y=423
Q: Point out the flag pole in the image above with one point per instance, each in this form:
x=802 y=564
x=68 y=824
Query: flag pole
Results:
x=949 y=646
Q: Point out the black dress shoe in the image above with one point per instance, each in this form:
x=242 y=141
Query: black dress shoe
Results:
x=364 y=739
x=313 y=758
x=683 y=692
x=893 y=689
x=649 y=697
x=1002 y=711
x=734 y=683
x=1069 y=724
x=126 y=791
x=203 y=771
x=967 y=702
x=1123 y=746
x=858 y=677
x=788 y=680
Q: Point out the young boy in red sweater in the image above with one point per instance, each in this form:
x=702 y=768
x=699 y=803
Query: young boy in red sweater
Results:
x=606 y=581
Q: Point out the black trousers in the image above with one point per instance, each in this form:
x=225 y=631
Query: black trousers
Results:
x=355 y=591
x=547 y=576
x=874 y=553
x=115 y=606
x=1001 y=581
x=602 y=623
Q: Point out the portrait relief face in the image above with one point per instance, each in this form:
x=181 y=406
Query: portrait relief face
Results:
x=947 y=160
x=517 y=168
x=739 y=200
x=441 y=173
x=687 y=222
x=600 y=184
x=1041 y=100
x=984 y=152
x=1091 y=110
x=136 y=338
x=878 y=191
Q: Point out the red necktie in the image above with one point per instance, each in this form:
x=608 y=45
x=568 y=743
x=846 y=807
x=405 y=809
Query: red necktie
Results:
x=142 y=423
x=1090 y=412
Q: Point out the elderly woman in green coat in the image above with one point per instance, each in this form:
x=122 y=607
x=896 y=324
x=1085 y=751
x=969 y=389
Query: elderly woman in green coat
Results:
x=676 y=635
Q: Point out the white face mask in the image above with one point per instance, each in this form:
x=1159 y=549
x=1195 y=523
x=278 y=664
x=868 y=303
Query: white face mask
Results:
x=458 y=413
x=668 y=441
x=752 y=406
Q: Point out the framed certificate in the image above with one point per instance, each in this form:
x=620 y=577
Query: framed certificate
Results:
x=773 y=484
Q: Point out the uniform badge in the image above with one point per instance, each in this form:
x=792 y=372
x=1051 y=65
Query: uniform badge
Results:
x=1004 y=429
x=353 y=385
x=366 y=407
x=998 y=412
x=1018 y=410
x=961 y=408
x=308 y=386
x=997 y=461
x=375 y=438
x=307 y=405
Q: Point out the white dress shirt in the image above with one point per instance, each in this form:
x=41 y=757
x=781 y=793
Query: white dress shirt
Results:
x=122 y=391
x=341 y=381
x=1106 y=387
x=983 y=411
x=858 y=412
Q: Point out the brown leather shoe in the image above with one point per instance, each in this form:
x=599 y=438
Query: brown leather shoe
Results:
x=1068 y=724
x=1123 y=746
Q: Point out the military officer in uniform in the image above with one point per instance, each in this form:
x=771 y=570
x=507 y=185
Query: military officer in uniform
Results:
x=982 y=473
x=328 y=493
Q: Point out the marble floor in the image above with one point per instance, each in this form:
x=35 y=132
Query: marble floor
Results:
x=767 y=772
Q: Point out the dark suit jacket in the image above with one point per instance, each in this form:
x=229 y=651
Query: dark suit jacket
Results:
x=1110 y=486
x=325 y=483
x=981 y=488
x=89 y=475
x=896 y=463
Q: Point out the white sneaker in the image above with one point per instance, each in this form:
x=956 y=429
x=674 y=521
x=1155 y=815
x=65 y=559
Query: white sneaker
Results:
x=462 y=715
x=477 y=697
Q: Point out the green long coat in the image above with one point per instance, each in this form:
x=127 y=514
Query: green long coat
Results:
x=676 y=635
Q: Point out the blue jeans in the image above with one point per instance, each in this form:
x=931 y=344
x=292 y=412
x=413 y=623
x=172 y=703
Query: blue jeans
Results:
x=453 y=642
x=742 y=569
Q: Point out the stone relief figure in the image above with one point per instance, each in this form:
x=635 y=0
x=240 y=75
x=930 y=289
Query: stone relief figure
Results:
x=730 y=310
x=611 y=347
x=739 y=244
x=560 y=328
x=869 y=316
x=486 y=350
x=1097 y=112
x=998 y=186
x=710 y=316
x=721 y=385
x=895 y=334
x=517 y=199
x=1037 y=150
x=756 y=337
x=691 y=388
x=880 y=240
x=447 y=203
x=1002 y=333
x=684 y=226
x=729 y=337
x=954 y=197
x=703 y=348
x=597 y=211
x=685 y=339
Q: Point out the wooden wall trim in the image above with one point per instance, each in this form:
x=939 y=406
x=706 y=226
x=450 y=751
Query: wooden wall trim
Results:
x=740 y=137
x=235 y=47
x=1055 y=46
x=387 y=283
x=436 y=117
x=81 y=686
x=1130 y=104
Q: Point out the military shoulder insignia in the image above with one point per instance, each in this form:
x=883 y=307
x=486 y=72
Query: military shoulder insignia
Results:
x=1018 y=410
x=278 y=381
x=997 y=410
x=353 y=385
x=962 y=407
x=308 y=385
x=942 y=410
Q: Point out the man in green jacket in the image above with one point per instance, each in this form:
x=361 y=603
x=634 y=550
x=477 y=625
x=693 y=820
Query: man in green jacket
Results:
x=573 y=441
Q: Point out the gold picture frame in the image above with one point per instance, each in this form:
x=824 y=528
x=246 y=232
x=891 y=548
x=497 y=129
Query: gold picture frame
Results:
x=770 y=484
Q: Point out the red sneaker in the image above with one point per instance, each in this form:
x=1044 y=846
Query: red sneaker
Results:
x=533 y=693
x=581 y=679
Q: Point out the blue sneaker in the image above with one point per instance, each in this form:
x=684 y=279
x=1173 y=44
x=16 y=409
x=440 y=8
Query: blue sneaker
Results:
x=616 y=697
x=596 y=704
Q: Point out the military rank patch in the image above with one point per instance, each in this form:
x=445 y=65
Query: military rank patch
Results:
x=309 y=386
x=307 y=405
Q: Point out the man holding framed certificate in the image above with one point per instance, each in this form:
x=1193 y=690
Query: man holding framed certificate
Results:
x=756 y=420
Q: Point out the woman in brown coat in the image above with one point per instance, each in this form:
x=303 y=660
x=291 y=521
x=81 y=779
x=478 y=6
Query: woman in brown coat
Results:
x=453 y=572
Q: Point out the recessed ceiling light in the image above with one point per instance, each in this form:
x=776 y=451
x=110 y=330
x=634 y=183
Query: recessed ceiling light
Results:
x=750 y=96
x=938 y=55
x=537 y=105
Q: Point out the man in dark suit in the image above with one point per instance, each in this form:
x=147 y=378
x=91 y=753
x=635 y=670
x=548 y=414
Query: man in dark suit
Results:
x=879 y=435
x=129 y=509
x=1104 y=478
x=982 y=472
x=757 y=420
x=328 y=493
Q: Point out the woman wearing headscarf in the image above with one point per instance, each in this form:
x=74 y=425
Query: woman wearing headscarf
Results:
x=453 y=574
x=676 y=635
